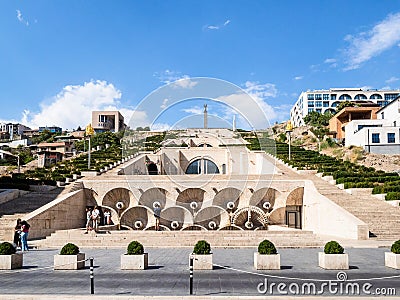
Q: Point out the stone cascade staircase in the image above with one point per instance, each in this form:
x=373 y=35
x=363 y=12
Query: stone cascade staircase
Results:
x=234 y=238
x=383 y=219
x=19 y=207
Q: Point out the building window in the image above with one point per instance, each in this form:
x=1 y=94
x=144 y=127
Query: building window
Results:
x=102 y=118
x=375 y=96
x=375 y=138
x=325 y=97
x=383 y=115
x=326 y=103
x=360 y=97
x=310 y=103
x=202 y=166
x=318 y=103
x=318 y=110
x=310 y=110
x=389 y=97
x=318 y=97
x=310 y=96
x=333 y=96
x=334 y=104
x=345 y=97
x=390 y=137
x=380 y=103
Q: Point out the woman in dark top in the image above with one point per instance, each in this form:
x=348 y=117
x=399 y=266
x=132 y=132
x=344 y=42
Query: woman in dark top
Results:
x=17 y=234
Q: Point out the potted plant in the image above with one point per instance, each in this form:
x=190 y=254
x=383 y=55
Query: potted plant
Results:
x=202 y=256
x=135 y=258
x=392 y=259
x=333 y=257
x=69 y=258
x=9 y=259
x=267 y=257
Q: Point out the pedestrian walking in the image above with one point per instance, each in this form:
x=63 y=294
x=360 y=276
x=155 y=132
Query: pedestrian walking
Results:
x=88 y=219
x=95 y=218
x=24 y=235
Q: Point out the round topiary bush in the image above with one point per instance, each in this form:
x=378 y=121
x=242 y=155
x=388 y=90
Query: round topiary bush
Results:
x=202 y=247
x=396 y=247
x=69 y=249
x=267 y=247
x=135 y=248
x=7 y=248
x=333 y=247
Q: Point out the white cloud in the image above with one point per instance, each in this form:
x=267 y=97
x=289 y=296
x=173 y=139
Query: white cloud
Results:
x=164 y=103
x=211 y=27
x=329 y=60
x=392 y=79
x=73 y=106
x=195 y=110
x=298 y=78
x=367 y=45
x=21 y=18
x=217 y=27
x=260 y=93
x=178 y=80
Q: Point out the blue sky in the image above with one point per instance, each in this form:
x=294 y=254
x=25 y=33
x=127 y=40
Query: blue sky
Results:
x=61 y=59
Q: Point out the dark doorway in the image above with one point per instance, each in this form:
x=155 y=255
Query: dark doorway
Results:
x=293 y=216
x=152 y=169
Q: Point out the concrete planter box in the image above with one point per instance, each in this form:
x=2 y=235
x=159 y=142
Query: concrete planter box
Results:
x=392 y=260
x=69 y=262
x=89 y=173
x=360 y=191
x=134 y=262
x=333 y=261
x=379 y=196
x=340 y=186
x=13 y=261
x=60 y=183
x=267 y=262
x=68 y=180
x=202 y=261
x=327 y=178
x=75 y=176
x=333 y=181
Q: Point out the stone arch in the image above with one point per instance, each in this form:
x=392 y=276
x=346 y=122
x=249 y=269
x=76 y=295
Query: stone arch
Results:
x=194 y=227
x=226 y=195
x=262 y=197
x=178 y=214
x=137 y=218
x=115 y=195
x=376 y=96
x=295 y=198
x=360 y=97
x=231 y=227
x=153 y=195
x=212 y=215
x=250 y=218
x=186 y=197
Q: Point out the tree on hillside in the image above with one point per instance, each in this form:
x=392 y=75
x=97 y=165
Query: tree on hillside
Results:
x=317 y=119
x=345 y=104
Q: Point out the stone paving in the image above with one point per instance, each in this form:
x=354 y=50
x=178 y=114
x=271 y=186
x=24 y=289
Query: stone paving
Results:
x=168 y=273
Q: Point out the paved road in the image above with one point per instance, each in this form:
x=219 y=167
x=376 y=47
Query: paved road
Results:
x=168 y=273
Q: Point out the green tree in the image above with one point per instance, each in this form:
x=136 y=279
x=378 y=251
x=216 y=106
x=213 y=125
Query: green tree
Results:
x=345 y=104
x=317 y=119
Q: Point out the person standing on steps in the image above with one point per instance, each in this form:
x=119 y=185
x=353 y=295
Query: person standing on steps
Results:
x=95 y=218
x=24 y=235
x=157 y=215
x=88 y=219
x=17 y=235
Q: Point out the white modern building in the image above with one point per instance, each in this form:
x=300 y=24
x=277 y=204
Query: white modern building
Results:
x=377 y=136
x=326 y=100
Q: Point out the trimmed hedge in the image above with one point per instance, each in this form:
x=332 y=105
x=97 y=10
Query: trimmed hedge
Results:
x=135 y=248
x=69 y=249
x=7 y=248
x=396 y=247
x=333 y=247
x=202 y=247
x=267 y=247
x=392 y=196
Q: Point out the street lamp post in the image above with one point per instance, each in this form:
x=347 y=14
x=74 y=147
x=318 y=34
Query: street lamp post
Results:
x=289 y=129
x=89 y=132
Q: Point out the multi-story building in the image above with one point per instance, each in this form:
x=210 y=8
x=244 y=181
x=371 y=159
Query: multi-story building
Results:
x=107 y=121
x=327 y=100
x=381 y=135
x=52 y=129
x=12 y=130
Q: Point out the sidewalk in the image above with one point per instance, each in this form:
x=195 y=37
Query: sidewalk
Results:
x=168 y=274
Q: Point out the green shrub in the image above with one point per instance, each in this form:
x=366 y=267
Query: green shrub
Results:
x=333 y=247
x=202 y=247
x=135 y=248
x=7 y=248
x=392 y=196
x=267 y=247
x=69 y=249
x=396 y=247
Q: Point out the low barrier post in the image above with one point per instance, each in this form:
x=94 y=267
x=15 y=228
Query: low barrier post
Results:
x=191 y=275
x=91 y=276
